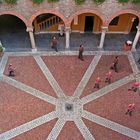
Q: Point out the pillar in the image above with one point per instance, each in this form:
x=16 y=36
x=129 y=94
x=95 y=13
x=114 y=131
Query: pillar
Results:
x=104 y=30
x=31 y=35
x=136 y=39
x=67 y=33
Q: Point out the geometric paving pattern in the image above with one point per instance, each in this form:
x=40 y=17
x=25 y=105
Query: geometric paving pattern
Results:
x=36 y=104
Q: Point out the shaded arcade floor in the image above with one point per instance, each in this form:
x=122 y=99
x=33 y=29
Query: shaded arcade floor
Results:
x=18 y=40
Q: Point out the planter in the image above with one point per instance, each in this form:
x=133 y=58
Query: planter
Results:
x=127 y=47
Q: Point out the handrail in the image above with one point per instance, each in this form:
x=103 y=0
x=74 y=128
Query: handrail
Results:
x=49 y=22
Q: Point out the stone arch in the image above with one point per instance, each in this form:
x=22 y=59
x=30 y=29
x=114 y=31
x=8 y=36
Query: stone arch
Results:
x=13 y=13
x=123 y=12
x=100 y=15
x=57 y=13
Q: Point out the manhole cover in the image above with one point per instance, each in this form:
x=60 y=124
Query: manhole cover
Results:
x=68 y=107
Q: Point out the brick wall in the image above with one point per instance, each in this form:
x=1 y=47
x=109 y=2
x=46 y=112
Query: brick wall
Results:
x=67 y=8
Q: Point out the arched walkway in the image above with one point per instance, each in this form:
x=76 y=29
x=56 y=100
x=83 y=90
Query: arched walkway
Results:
x=99 y=14
x=136 y=13
x=46 y=25
x=85 y=29
x=43 y=11
x=14 y=14
x=13 y=32
x=121 y=27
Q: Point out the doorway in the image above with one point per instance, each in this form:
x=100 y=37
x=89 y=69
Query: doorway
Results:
x=89 y=20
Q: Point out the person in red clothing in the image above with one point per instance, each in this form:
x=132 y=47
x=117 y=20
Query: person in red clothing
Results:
x=134 y=87
x=11 y=70
x=130 y=109
x=108 y=77
x=97 y=83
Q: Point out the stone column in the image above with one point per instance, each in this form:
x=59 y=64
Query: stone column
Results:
x=30 y=30
x=104 y=30
x=137 y=36
x=67 y=33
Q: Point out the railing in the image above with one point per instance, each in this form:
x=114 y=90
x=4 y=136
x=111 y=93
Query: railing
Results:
x=49 y=23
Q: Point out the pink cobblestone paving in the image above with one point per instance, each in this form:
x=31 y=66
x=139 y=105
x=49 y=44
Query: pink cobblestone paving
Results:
x=70 y=132
x=39 y=133
x=101 y=133
x=28 y=72
x=17 y=107
x=103 y=67
x=68 y=70
x=114 y=105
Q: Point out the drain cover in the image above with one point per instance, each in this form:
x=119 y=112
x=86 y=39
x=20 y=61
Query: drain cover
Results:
x=68 y=107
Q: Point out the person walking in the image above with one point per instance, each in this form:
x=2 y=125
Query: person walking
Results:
x=134 y=87
x=11 y=70
x=54 y=43
x=130 y=109
x=97 y=83
x=115 y=64
x=81 y=50
x=108 y=77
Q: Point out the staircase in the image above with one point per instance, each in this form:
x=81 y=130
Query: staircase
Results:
x=48 y=23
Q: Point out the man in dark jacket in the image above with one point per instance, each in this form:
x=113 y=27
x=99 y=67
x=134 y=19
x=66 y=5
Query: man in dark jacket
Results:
x=81 y=50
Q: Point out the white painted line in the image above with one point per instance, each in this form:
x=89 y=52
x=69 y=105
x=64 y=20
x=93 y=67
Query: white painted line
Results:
x=107 y=89
x=49 y=76
x=28 y=126
x=83 y=129
x=29 y=90
x=111 y=125
x=56 y=129
x=87 y=76
x=133 y=63
x=3 y=63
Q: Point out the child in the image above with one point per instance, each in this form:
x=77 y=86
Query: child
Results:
x=130 y=109
x=108 y=77
x=134 y=87
x=11 y=70
x=97 y=83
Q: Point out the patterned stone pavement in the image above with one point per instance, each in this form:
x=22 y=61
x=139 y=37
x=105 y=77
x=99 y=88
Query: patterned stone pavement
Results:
x=50 y=111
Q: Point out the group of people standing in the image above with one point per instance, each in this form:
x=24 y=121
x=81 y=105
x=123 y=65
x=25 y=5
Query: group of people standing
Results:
x=108 y=74
x=108 y=78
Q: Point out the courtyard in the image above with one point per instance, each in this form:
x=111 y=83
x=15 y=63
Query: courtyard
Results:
x=53 y=97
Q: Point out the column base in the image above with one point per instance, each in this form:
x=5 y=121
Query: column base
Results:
x=34 y=50
x=67 y=49
x=133 y=50
x=100 y=49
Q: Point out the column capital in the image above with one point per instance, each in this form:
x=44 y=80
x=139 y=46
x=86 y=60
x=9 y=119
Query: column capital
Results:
x=29 y=29
x=105 y=29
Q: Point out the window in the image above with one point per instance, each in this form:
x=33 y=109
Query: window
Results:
x=114 y=21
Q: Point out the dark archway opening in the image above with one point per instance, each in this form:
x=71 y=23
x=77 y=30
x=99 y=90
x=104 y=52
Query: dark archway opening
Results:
x=89 y=20
x=13 y=34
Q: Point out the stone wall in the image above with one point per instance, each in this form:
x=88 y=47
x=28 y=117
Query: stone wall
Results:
x=67 y=8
